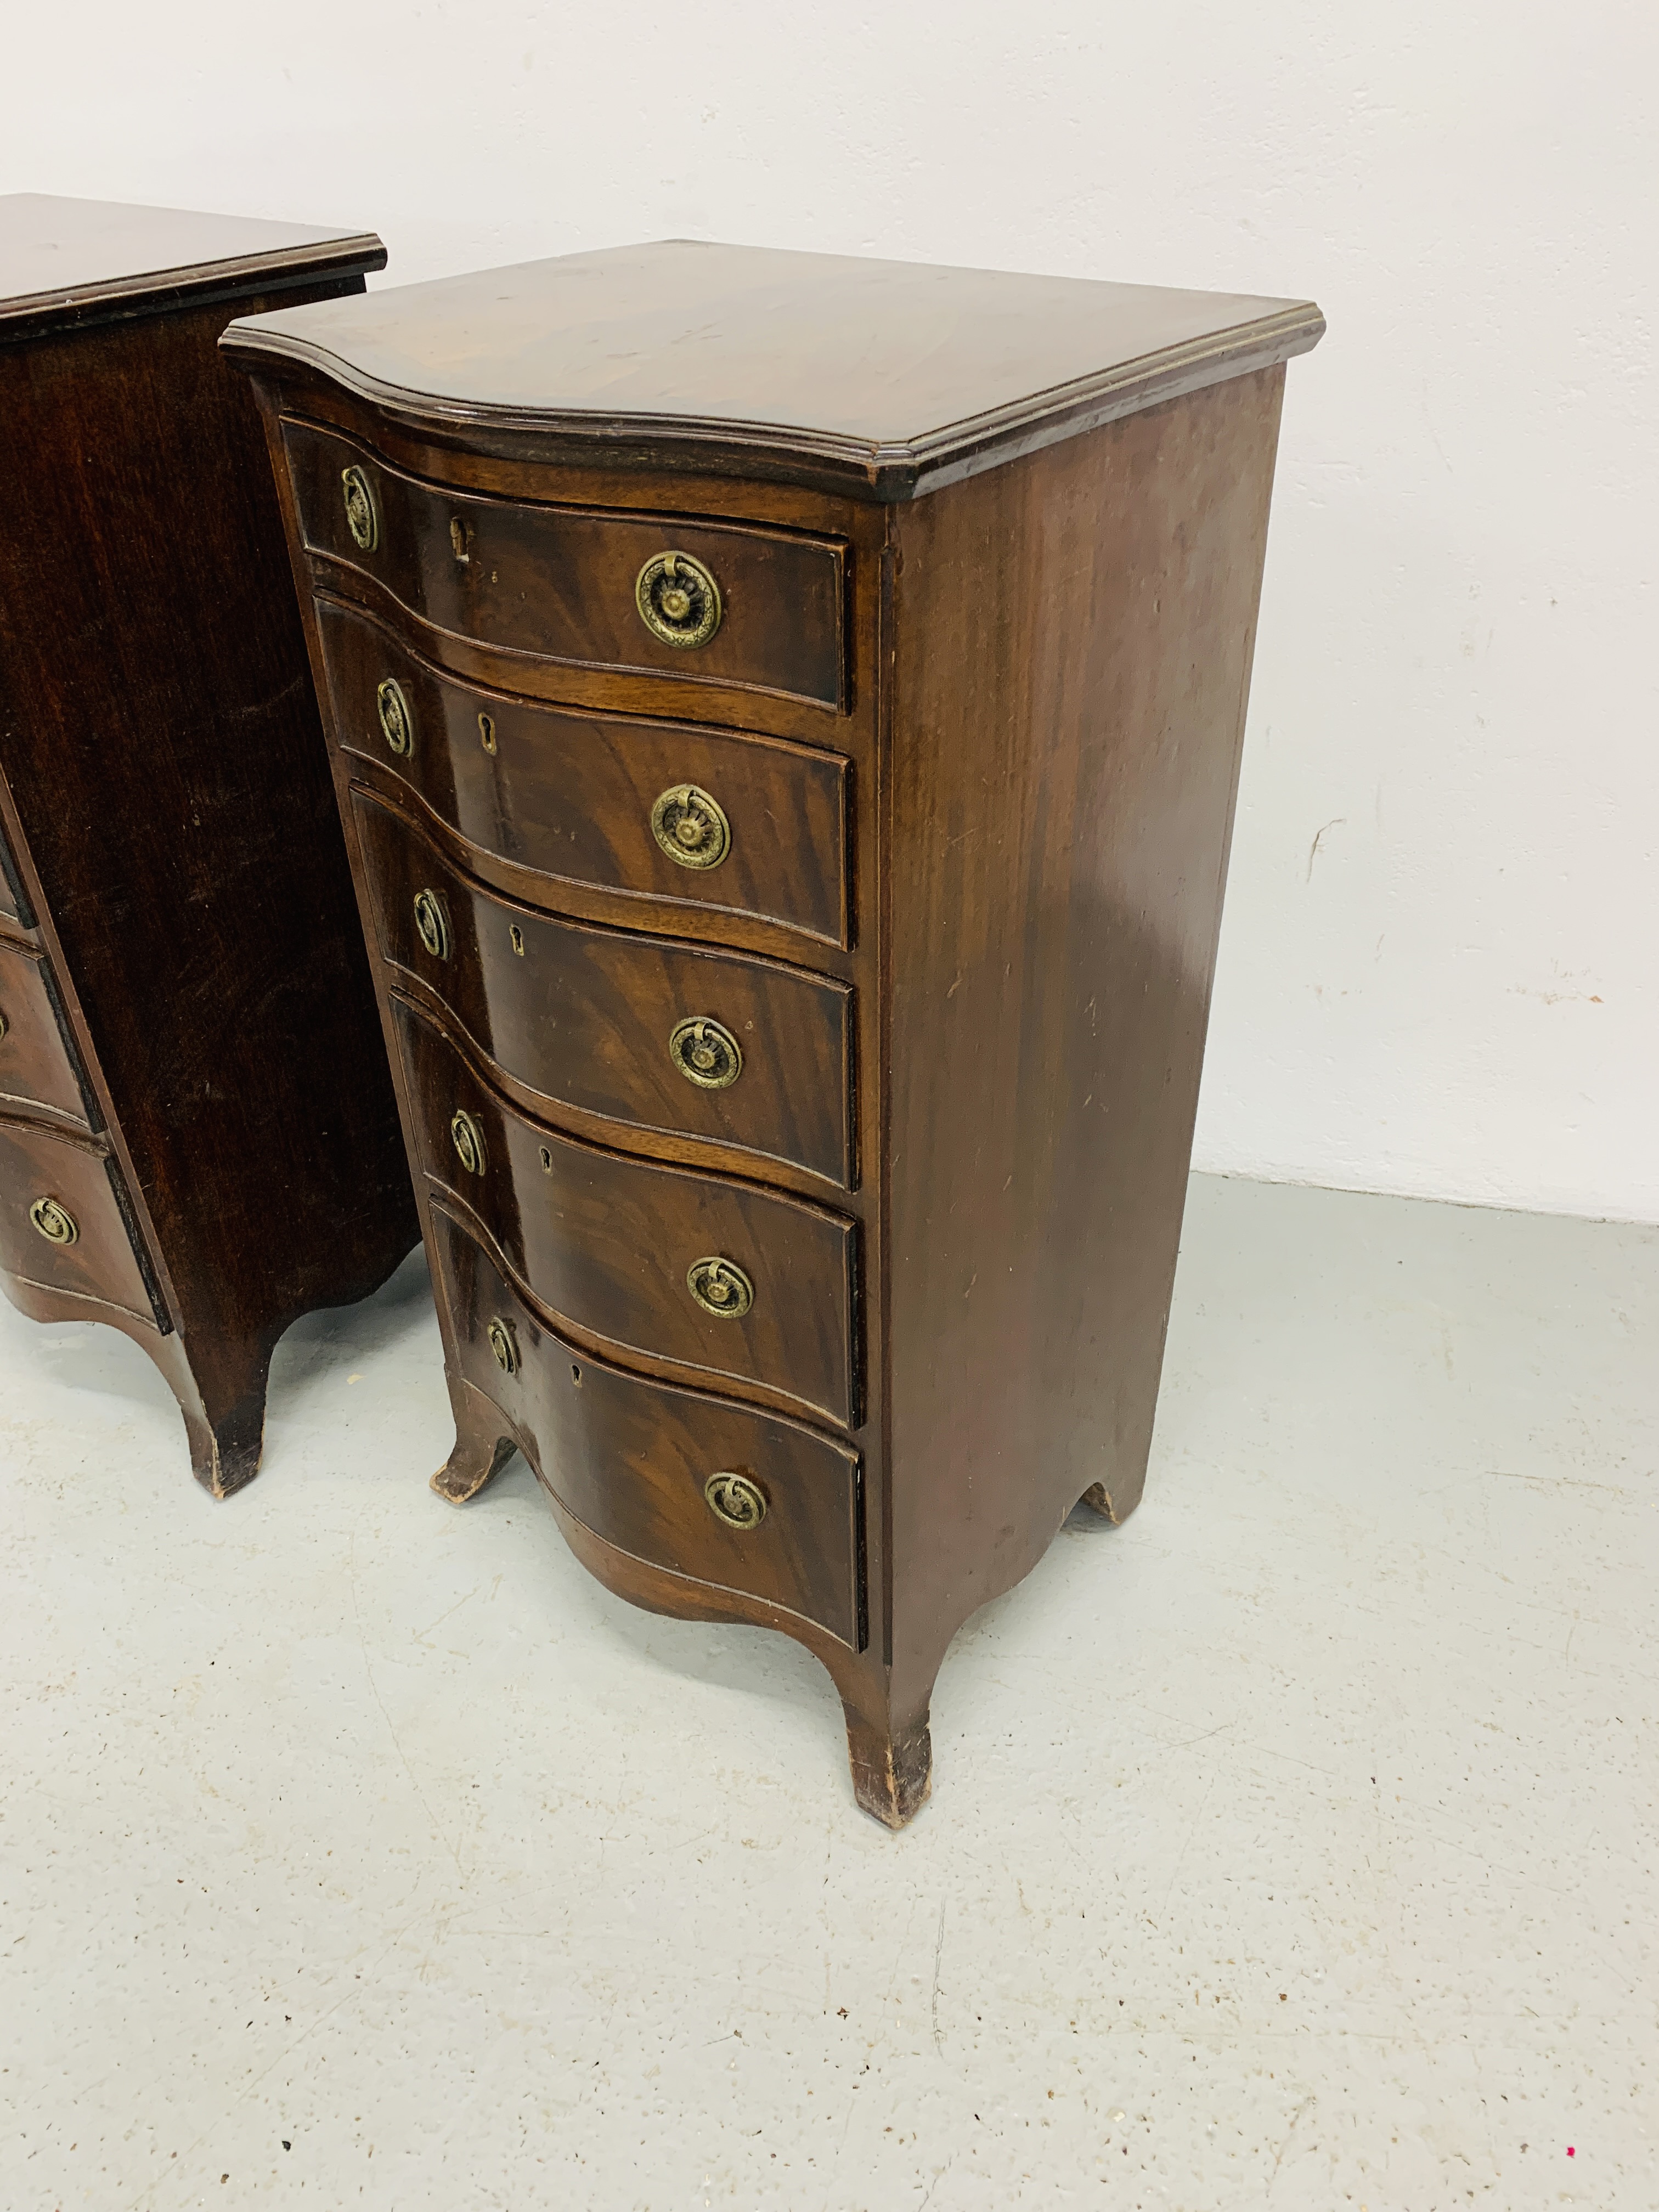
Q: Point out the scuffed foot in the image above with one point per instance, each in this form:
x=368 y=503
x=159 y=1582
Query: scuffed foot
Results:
x=467 y=1469
x=892 y=1775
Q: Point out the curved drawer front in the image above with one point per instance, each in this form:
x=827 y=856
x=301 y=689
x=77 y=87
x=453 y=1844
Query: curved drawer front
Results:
x=611 y=1243
x=586 y=1017
x=37 y=1065
x=50 y=1179
x=573 y=796
x=561 y=583
x=632 y=1459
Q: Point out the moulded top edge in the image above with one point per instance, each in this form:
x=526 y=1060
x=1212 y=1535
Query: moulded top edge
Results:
x=65 y=262
x=883 y=379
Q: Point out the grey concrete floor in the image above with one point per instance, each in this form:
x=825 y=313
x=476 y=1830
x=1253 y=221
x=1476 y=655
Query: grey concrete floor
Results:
x=1291 y=1846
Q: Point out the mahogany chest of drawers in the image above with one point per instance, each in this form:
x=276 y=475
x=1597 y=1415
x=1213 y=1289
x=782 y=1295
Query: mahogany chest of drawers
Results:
x=786 y=715
x=199 y=1140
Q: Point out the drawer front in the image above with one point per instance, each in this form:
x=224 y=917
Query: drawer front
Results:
x=591 y=798
x=37 y=1061
x=588 y=1018
x=632 y=1459
x=612 y=1243
x=50 y=1179
x=563 y=583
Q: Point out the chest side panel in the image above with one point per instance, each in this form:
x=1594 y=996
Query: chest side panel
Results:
x=161 y=741
x=1075 y=634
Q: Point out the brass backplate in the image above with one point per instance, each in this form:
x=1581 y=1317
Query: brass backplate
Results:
x=432 y=924
x=691 y=827
x=55 y=1222
x=396 y=723
x=736 y=1500
x=468 y=1140
x=362 y=516
x=678 y=600
x=720 y=1287
x=705 y=1052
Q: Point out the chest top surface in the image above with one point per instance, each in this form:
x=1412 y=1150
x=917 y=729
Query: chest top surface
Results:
x=895 y=376
x=67 y=263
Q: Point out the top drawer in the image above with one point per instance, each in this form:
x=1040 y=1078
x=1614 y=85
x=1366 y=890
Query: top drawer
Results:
x=568 y=584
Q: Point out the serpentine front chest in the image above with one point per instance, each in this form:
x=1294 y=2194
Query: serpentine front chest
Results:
x=786 y=714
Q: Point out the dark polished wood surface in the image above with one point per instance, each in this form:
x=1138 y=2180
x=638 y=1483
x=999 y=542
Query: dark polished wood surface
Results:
x=165 y=797
x=880 y=377
x=1066 y=794
x=997 y=1058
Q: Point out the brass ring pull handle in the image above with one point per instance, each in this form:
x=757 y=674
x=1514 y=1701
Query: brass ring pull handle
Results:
x=468 y=1140
x=706 y=1053
x=736 y=1500
x=55 y=1222
x=691 y=827
x=396 y=723
x=721 y=1288
x=678 y=600
x=362 y=516
x=504 y=1345
x=432 y=923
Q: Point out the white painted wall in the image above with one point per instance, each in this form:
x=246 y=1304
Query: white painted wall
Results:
x=1438 y=972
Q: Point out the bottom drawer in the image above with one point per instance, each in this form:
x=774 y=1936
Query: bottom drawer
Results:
x=634 y=1460
x=60 y=1223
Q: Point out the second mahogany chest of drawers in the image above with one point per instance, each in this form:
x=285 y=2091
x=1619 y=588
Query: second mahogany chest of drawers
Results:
x=199 y=1141
x=786 y=715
